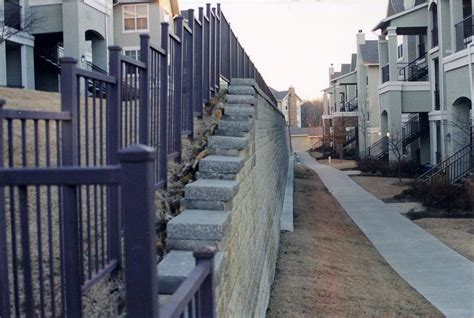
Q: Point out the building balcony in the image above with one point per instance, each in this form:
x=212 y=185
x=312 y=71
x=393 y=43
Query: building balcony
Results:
x=408 y=97
x=464 y=33
x=12 y=15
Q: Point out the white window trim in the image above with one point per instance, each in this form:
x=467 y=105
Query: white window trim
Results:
x=131 y=48
x=147 y=18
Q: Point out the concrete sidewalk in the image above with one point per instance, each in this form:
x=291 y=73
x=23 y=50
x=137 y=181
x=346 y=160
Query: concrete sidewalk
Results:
x=441 y=275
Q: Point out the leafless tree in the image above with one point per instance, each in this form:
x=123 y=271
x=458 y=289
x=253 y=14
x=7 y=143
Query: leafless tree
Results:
x=395 y=147
x=25 y=23
x=363 y=127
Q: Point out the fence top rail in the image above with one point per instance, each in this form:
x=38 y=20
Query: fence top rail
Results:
x=133 y=62
x=175 y=37
x=93 y=75
x=34 y=115
x=186 y=291
x=158 y=50
x=187 y=28
x=60 y=176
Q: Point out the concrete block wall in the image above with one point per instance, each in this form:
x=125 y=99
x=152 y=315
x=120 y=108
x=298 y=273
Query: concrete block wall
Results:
x=237 y=202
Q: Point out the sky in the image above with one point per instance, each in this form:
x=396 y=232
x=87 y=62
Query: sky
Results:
x=293 y=42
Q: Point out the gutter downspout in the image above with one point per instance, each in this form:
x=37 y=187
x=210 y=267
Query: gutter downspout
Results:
x=471 y=80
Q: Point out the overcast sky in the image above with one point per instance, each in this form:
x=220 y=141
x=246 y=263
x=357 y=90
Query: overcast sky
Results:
x=293 y=42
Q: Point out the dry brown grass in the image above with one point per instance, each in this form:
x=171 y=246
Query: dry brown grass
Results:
x=382 y=187
x=328 y=268
x=455 y=233
x=340 y=164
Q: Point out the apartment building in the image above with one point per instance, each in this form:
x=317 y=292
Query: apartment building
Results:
x=136 y=17
x=16 y=44
x=289 y=103
x=45 y=30
x=351 y=120
x=426 y=78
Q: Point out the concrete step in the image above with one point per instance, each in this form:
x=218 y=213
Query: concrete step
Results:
x=211 y=190
x=221 y=164
x=241 y=90
x=235 y=125
x=227 y=142
x=195 y=228
x=241 y=99
x=208 y=205
x=215 y=176
x=176 y=267
x=239 y=111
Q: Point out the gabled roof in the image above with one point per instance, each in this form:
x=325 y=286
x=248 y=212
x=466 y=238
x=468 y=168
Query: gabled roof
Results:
x=279 y=95
x=335 y=75
x=370 y=52
x=345 y=68
x=353 y=62
x=394 y=7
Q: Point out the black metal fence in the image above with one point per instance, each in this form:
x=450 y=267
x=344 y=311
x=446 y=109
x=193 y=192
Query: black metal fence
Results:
x=67 y=196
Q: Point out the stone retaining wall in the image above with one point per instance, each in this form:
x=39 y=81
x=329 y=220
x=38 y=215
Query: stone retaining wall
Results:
x=236 y=203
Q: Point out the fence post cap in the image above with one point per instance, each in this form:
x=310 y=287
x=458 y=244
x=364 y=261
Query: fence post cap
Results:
x=204 y=252
x=165 y=24
x=136 y=153
x=144 y=35
x=179 y=17
x=115 y=48
x=2 y=102
x=67 y=60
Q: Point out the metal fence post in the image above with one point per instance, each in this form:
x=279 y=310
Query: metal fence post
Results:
x=205 y=255
x=4 y=284
x=114 y=111
x=199 y=74
x=69 y=151
x=207 y=53
x=218 y=46
x=163 y=153
x=178 y=87
x=139 y=230
x=144 y=89
x=190 y=79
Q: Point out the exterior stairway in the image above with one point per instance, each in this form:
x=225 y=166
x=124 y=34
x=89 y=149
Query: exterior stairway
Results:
x=452 y=170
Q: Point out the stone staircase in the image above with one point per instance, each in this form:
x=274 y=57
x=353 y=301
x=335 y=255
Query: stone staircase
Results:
x=208 y=201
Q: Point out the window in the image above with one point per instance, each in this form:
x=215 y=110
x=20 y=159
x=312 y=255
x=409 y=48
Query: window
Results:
x=134 y=54
x=135 y=17
x=400 y=51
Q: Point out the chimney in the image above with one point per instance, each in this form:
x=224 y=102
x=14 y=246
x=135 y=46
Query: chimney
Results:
x=331 y=71
x=360 y=37
x=292 y=90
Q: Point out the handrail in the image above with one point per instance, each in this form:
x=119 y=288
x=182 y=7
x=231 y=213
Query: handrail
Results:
x=382 y=144
x=414 y=70
x=464 y=33
x=452 y=160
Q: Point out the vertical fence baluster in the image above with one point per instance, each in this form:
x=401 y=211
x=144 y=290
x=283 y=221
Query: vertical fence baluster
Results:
x=191 y=74
x=139 y=231
x=113 y=132
x=218 y=45
x=207 y=53
x=164 y=105
x=29 y=305
x=178 y=87
x=4 y=281
x=199 y=75
x=69 y=102
x=144 y=88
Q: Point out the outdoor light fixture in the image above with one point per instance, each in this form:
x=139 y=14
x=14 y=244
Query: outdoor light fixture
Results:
x=448 y=137
x=83 y=58
x=380 y=133
x=388 y=134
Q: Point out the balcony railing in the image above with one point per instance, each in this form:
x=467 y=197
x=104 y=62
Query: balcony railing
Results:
x=434 y=38
x=464 y=33
x=414 y=71
x=385 y=73
x=12 y=15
